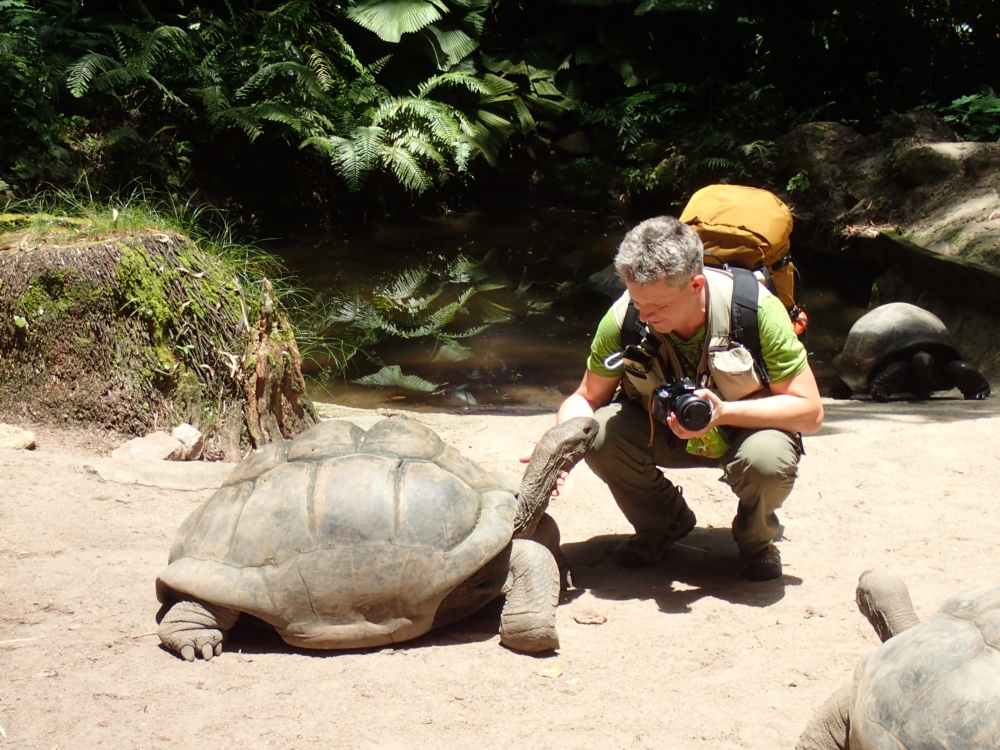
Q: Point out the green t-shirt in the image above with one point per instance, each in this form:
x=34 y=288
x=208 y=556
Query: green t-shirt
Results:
x=783 y=354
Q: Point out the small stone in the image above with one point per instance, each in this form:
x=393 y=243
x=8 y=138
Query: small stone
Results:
x=589 y=617
x=159 y=446
x=191 y=439
x=15 y=438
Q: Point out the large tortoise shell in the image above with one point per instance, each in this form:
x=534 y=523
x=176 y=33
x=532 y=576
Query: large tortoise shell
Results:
x=887 y=331
x=343 y=538
x=935 y=685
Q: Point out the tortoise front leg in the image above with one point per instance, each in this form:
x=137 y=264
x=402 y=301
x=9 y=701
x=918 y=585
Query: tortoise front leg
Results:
x=191 y=626
x=830 y=728
x=547 y=534
x=528 y=620
x=968 y=380
x=889 y=381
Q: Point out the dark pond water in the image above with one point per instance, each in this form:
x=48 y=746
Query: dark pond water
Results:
x=531 y=271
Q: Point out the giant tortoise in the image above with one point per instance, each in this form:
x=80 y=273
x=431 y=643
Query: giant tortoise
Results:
x=932 y=685
x=342 y=538
x=901 y=348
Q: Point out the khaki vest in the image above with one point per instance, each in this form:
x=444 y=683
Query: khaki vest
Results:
x=726 y=367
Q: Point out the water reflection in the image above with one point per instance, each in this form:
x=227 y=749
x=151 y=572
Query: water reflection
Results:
x=544 y=257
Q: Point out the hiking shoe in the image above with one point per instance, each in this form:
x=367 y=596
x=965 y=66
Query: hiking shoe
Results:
x=764 y=565
x=635 y=553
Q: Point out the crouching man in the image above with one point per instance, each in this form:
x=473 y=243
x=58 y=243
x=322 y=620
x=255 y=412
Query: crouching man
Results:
x=756 y=384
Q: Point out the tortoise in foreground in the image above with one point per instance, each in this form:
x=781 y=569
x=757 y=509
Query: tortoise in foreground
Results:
x=933 y=685
x=342 y=538
x=901 y=348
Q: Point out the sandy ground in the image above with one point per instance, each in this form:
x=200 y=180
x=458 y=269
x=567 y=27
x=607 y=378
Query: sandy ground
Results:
x=689 y=654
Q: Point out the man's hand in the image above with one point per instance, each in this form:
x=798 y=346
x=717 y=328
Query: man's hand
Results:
x=717 y=408
x=560 y=480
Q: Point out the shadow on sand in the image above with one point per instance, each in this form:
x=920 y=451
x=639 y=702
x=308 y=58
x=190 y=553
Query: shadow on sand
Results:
x=704 y=563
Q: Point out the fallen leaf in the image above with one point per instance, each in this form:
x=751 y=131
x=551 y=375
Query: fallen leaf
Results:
x=587 y=617
x=553 y=671
x=396 y=398
x=792 y=684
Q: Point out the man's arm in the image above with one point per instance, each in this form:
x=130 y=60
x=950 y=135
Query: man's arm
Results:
x=594 y=392
x=794 y=406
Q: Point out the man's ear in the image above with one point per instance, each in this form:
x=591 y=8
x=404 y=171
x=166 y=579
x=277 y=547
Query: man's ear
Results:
x=698 y=282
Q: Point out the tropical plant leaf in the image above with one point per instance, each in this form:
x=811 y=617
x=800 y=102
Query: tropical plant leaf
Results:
x=451 y=351
x=390 y=19
x=494 y=313
x=393 y=376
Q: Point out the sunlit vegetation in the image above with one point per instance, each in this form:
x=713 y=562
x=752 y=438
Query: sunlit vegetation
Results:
x=305 y=109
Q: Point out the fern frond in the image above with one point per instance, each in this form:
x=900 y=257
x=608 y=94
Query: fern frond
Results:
x=404 y=285
x=80 y=73
x=405 y=167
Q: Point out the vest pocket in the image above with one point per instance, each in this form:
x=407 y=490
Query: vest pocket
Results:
x=734 y=373
x=642 y=370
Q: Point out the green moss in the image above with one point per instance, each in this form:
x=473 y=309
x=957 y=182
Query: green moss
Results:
x=144 y=286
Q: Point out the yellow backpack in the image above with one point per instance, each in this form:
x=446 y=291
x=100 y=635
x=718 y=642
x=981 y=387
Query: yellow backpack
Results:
x=748 y=228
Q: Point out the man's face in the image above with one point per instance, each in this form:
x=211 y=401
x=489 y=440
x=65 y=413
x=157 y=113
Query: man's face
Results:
x=669 y=308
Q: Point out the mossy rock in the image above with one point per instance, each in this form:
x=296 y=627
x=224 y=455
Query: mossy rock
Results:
x=135 y=333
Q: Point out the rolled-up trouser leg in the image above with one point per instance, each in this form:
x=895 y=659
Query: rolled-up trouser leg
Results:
x=761 y=467
x=622 y=457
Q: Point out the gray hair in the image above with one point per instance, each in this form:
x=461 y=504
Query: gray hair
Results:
x=660 y=248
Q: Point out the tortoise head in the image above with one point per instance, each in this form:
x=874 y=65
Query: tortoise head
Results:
x=559 y=450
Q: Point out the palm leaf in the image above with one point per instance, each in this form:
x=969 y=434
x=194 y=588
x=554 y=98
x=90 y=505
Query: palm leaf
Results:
x=393 y=376
x=494 y=313
x=390 y=19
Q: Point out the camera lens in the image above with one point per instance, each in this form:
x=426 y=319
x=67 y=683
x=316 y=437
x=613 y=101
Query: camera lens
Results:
x=693 y=412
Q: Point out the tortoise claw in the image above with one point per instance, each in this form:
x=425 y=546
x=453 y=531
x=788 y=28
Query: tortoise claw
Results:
x=207 y=652
x=188 y=653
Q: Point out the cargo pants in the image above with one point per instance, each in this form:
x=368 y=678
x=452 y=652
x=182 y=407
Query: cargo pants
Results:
x=760 y=466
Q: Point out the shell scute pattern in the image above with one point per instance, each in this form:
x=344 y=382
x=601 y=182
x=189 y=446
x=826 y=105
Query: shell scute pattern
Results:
x=885 y=331
x=354 y=539
x=325 y=440
x=208 y=532
x=353 y=501
x=401 y=438
x=260 y=461
x=468 y=471
x=436 y=509
x=927 y=686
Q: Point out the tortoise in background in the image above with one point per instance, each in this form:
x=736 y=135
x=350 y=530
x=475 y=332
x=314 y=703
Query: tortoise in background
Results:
x=342 y=538
x=933 y=685
x=901 y=348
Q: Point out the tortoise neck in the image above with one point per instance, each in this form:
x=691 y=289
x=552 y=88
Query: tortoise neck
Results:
x=884 y=599
x=559 y=450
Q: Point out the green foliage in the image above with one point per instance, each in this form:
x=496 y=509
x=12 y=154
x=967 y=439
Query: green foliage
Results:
x=798 y=183
x=975 y=117
x=392 y=376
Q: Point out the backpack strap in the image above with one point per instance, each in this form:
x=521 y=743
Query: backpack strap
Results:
x=743 y=318
x=633 y=329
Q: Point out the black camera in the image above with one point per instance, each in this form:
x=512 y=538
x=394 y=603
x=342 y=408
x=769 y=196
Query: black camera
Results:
x=693 y=412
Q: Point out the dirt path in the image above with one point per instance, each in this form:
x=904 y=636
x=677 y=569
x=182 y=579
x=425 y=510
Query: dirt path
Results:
x=689 y=655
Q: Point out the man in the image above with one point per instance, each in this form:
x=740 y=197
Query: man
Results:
x=756 y=417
